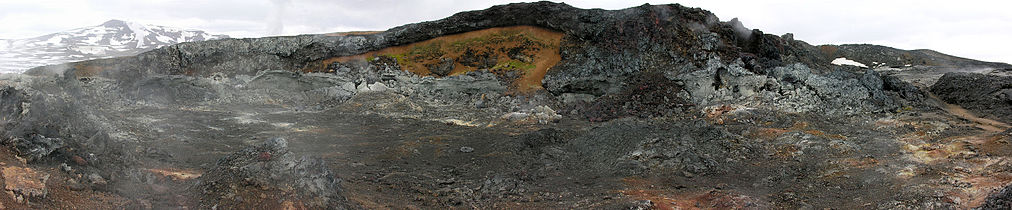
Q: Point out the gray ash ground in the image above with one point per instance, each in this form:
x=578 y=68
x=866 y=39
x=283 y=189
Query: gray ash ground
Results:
x=650 y=107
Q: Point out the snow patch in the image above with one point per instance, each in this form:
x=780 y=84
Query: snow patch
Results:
x=844 y=61
x=164 y=39
x=92 y=40
x=186 y=35
x=55 y=40
x=140 y=31
x=18 y=55
x=94 y=50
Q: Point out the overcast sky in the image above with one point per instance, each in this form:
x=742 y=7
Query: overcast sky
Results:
x=975 y=29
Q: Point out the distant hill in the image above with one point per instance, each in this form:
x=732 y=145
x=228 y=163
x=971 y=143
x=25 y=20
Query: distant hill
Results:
x=876 y=55
x=110 y=39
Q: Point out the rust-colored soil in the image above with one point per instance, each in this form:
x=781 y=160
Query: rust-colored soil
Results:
x=59 y=196
x=972 y=164
x=773 y=133
x=86 y=70
x=829 y=49
x=663 y=197
x=525 y=51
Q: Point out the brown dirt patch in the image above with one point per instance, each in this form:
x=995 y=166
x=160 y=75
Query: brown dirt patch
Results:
x=828 y=50
x=769 y=133
x=85 y=70
x=25 y=183
x=979 y=122
x=718 y=111
x=175 y=173
x=863 y=162
x=773 y=133
x=668 y=198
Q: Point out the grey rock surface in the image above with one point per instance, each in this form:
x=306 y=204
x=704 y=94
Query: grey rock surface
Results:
x=272 y=169
x=985 y=95
x=663 y=93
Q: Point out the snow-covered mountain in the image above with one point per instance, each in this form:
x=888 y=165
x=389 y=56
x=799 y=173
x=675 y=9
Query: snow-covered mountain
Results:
x=110 y=39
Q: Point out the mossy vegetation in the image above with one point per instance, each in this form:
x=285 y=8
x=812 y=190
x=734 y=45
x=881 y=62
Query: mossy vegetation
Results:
x=504 y=37
x=519 y=50
x=506 y=48
x=513 y=65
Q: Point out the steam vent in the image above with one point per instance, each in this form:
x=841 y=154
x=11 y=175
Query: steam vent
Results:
x=519 y=106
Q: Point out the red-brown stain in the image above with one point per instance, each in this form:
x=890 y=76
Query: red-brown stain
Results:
x=667 y=198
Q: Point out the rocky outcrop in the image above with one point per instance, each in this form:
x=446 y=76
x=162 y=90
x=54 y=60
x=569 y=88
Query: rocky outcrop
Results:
x=113 y=38
x=25 y=127
x=601 y=51
x=646 y=61
x=246 y=178
x=986 y=95
x=668 y=90
x=999 y=200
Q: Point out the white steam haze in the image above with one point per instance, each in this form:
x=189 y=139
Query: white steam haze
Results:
x=276 y=18
x=974 y=29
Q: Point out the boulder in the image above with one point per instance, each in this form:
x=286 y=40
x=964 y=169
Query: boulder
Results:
x=264 y=175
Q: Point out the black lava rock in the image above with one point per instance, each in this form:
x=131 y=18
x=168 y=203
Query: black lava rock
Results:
x=985 y=95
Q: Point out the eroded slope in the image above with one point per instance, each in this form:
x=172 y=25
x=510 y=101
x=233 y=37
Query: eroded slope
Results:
x=653 y=106
x=520 y=54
